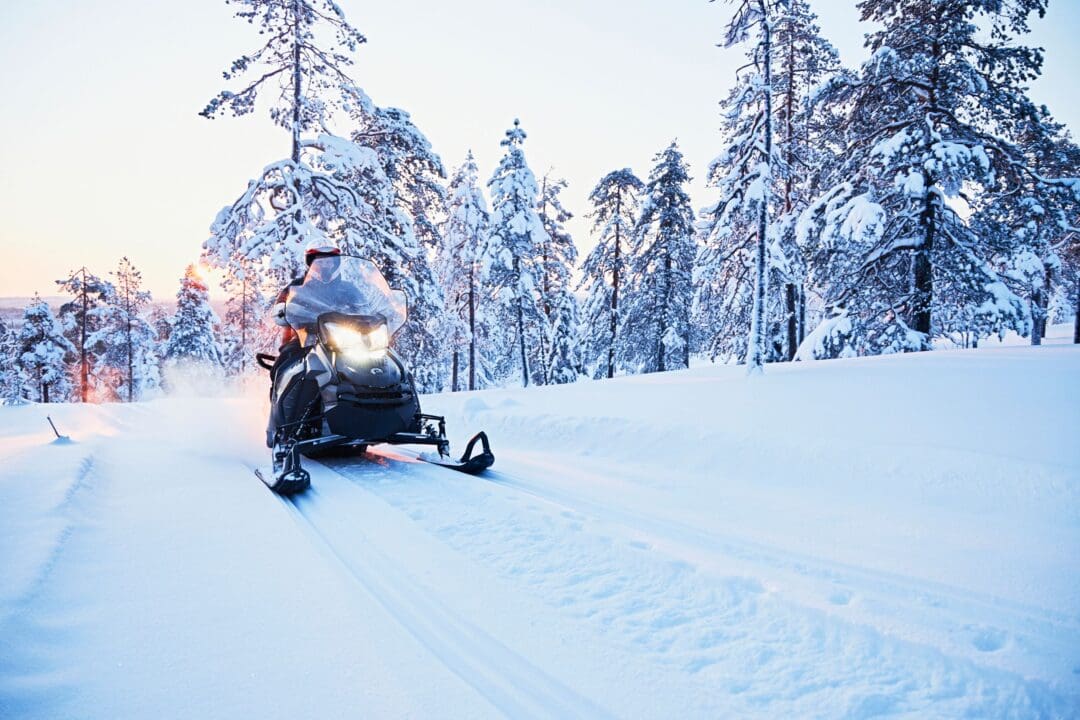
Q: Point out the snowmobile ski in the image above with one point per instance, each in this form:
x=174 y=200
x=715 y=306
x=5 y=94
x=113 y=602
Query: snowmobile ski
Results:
x=291 y=484
x=467 y=463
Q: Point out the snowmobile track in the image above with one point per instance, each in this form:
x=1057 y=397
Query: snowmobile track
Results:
x=508 y=681
x=840 y=574
x=837 y=574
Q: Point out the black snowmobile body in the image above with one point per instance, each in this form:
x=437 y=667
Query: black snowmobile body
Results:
x=347 y=388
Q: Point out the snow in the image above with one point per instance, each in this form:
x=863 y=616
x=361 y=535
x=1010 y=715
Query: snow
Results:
x=862 y=219
x=846 y=538
x=832 y=337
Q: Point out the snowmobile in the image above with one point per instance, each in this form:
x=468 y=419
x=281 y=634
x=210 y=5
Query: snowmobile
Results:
x=348 y=388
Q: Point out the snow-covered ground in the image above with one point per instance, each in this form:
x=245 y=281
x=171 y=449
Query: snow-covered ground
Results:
x=845 y=539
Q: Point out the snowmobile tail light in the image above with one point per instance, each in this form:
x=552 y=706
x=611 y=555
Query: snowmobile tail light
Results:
x=357 y=343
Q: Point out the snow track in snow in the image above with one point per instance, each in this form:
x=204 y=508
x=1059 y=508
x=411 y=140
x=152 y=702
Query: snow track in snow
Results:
x=948 y=612
x=507 y=680
x=667 y=589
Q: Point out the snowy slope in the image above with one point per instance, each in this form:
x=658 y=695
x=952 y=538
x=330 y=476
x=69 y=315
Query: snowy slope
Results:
x=849 y=538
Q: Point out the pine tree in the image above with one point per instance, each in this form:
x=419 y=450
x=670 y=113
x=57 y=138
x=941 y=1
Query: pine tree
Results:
x=246 y=328
x=1029 y=225
x=463 y=236
x=656 y=325
x=408 y=196
x=560 y=342
x=81 y=318
x=512 y=314
x=42 y=355
x=725 y=285
x=615 y=206
x=193 y=340
x=125 y=341
x=927 y=122
x=305 y=198
x=159 y=319
x=744 y=173
x=11 y=387
x=300 y=66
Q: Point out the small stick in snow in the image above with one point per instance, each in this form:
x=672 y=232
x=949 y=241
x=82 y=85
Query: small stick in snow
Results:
x=59 y=438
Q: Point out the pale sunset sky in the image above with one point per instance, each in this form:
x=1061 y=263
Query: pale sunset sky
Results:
x=104 y=154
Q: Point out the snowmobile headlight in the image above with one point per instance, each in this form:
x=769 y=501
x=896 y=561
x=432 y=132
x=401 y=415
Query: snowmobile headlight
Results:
x=358 y=343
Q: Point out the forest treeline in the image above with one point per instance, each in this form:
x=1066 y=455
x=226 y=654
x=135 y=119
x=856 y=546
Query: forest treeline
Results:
x=920 y=198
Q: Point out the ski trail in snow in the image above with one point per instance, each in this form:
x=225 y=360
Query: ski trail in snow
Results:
x=558 y=543
x=670 y=531
x=808 y=565
x=954 y=618
x=507 y=680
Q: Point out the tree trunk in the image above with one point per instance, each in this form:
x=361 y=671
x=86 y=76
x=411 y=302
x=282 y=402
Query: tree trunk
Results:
x=1076 y=322
x=792 y=320
x=923 y=266
x=454 y=373
x=802 y=315
x=924 y=281
x=1038 y=316
x=661 y=360
x=44 y=392
x=521 y=325
x=755 y=355
x=130 y=362
x=296 y=85
x=472 y=332
x=615 y=290
x=84 y=365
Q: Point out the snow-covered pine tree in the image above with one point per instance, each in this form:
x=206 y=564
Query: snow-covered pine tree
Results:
x=1030 y=224
x=511 y=312
x=725 y=284
x=925 y=125
x=193 y=340
x=246 y=328
x=371 y=196
x=744 y=172
x=304 y=69
x=80 y=319
x=159 y=319
x=125 y=342
x=804 y=59
x=404 y=245
x=656 y=324
x=463 y=236
x=304 y=198
x=614 y=212
x=411 y=165
x=11 y=387
x=561 y=343
x=1072 y=256
x=42 y=355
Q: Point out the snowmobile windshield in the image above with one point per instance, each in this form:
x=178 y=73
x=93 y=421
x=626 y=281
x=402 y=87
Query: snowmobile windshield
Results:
x=346 y=285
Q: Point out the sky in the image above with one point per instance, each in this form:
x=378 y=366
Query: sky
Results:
x=103 y=153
